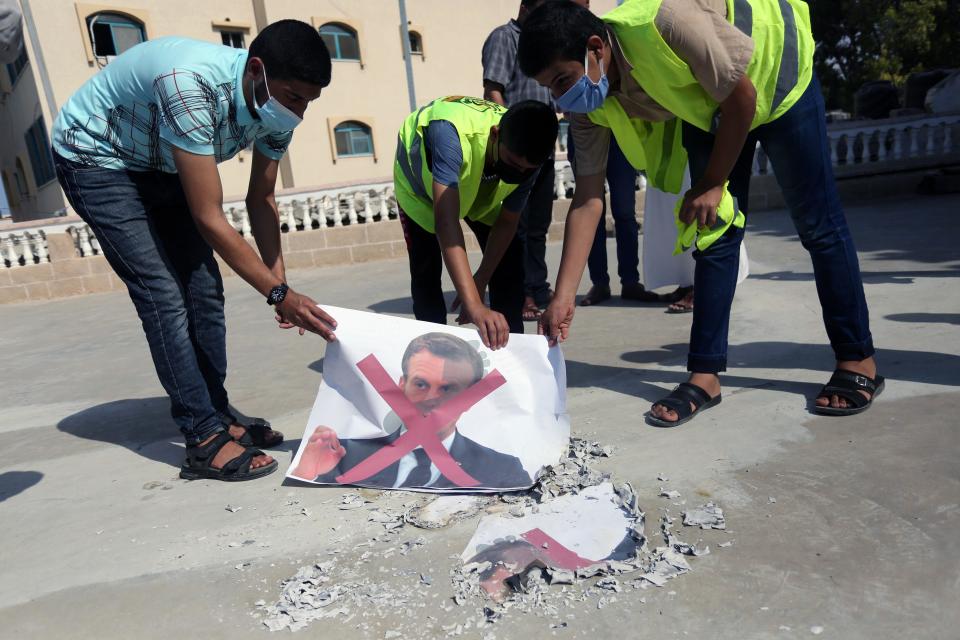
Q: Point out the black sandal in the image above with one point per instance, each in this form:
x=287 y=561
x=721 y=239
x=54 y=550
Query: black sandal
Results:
x=848 y=385
x=199 y=458
x=256 y=435
x=679 y=400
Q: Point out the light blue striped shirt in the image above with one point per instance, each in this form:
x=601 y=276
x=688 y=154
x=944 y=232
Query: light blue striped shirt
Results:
x=160 y=94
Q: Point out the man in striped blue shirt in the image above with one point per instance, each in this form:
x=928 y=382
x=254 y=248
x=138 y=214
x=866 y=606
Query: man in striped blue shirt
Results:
x=136 y=150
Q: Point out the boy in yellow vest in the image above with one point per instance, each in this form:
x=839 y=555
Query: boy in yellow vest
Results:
x=467 y=158
x=734 y=72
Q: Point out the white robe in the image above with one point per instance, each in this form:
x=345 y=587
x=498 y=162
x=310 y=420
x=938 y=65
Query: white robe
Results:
x=660 y=267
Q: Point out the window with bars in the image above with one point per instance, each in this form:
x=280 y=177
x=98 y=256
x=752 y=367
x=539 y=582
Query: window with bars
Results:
x=233 y=39
x=41 y=159
x=353 y=139
x=112 y=33
x=341 y=41
x=416 y=44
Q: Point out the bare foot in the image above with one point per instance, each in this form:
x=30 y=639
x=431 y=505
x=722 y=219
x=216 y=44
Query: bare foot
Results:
x=866 y=368
x=709 y=382
x=232 y=450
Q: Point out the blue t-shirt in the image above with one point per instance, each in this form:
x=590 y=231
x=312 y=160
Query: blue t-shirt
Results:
x=164 y=93
x=442 y=143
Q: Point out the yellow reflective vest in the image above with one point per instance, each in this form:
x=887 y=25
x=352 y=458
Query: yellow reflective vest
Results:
x=413 y=179
x=781 y=68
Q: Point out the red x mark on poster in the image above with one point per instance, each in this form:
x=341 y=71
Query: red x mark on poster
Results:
x=421 y=430
x=560 y=556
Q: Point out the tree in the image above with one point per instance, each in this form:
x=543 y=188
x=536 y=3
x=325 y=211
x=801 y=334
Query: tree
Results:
x=863 y=40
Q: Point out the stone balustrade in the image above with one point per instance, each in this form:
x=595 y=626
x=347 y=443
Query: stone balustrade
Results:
x=860 y=147
x=359 y=223
x=332 y=208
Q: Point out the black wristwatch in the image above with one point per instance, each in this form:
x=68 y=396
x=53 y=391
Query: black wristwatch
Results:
x=277 y=294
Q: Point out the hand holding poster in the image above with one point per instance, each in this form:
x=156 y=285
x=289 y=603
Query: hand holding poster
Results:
x=414 y=405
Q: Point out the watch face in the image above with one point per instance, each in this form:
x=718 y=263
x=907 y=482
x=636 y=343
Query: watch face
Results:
x=277 y=294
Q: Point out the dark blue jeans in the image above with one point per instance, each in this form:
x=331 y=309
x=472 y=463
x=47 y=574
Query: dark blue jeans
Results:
x=796 y=144
x=622 y=178
x=147 y=234
x=534 y=224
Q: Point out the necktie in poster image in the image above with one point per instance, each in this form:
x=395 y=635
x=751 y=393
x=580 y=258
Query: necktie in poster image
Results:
x=416 y=406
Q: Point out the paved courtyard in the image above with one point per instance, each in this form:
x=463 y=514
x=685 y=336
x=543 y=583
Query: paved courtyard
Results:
x=99 y=539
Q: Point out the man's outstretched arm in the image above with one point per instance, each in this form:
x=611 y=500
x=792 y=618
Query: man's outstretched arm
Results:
x=585 y=211
x=204 y=193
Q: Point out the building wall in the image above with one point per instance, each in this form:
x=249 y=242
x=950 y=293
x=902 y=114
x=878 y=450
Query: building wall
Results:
x=373 y=91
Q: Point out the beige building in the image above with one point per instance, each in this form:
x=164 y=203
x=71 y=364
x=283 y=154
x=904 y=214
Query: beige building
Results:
x=348 y=135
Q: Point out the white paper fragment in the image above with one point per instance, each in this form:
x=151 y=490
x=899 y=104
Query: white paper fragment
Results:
x=688 y=549
x=816 y=629
x=232 y=509
x=772 y=500
x=442 y=511
x=609 y=583
x=351 y=501
x=709 y=516
x=672 y=495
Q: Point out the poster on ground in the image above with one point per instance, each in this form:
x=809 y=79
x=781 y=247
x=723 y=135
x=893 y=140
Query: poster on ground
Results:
x=417 y=406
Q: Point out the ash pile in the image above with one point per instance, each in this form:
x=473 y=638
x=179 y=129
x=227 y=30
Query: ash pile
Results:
x=575 y=542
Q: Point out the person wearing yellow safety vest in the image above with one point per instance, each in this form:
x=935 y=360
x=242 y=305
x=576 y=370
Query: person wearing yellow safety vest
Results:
x=461 y=158
x=712 y=79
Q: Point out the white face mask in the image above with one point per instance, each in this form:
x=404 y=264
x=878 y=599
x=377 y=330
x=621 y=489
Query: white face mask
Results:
x=273 y=115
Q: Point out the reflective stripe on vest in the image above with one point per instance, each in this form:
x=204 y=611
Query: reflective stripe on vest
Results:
x=413 y=179
x=787 y=76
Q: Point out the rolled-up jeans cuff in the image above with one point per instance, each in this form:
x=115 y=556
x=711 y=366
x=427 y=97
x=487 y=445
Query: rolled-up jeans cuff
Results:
x=204 y=431
x=854 y=351
x=706 y=364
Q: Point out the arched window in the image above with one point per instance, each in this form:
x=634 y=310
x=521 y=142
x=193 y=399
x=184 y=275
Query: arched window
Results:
x=353 y=139
x=112 y=33
x=416 y=43
x=341 y=41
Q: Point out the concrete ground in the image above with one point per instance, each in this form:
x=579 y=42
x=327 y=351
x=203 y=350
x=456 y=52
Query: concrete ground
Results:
x=98 y=538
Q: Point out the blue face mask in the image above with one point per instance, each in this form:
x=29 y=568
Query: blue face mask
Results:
x=585 y=96
x=273 y=115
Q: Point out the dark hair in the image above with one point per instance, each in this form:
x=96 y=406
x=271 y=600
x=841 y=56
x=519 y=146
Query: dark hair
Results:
x=293 y=50
x=445 y=346
x=530 y=3
x=529 y=128
x=557 y=30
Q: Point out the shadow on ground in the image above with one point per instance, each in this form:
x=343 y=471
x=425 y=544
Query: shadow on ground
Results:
x=14 y=482
x=878 y=229
x=931 y=318
x=142 y=425
x=652 y=384
x=402 y=305
x=927 y=367
x=869 y=277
